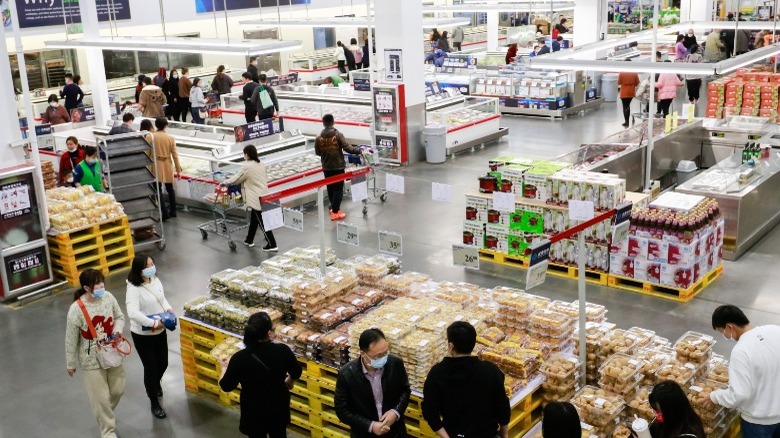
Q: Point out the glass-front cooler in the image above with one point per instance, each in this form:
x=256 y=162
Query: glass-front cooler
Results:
x=470 y=120
x=316 y=65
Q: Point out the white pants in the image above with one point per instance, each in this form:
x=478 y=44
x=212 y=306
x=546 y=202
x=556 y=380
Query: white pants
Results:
x=105 y=388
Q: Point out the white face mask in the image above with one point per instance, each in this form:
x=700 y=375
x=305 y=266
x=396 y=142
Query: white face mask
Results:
x=726 y=337
x=690 y=35
x=54 y=104
x=69 y=179
x=176 y=76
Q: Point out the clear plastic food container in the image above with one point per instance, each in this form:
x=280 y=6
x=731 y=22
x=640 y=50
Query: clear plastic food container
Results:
x=619 y=341
x=718 y=370
x=550 y=324
x=598 y=407
x=694 y=347
x=680 y=373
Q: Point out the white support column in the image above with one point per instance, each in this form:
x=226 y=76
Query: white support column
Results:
x=399 y=26
x=590 y=22
x=696 y=10
x=95 y=65
x=9 y=122
x=492 y=31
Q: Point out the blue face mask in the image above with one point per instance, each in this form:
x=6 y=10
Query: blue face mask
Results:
x=149 y=272
x=98 y=293
x=379 y=363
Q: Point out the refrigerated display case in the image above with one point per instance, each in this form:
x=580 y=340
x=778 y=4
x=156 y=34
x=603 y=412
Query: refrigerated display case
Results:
x=316 y=65
x=475 y=120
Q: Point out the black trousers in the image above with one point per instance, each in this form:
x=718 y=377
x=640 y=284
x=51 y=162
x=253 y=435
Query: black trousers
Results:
x=255 y=221
x=272 y=431
x=626 y=101
x=694 y=86
x=266 y=113
x=172 y=111
x=457 y=46
x=153 y=351
x=184 y=108
x=664 y=105
x=169 y=208
x=335 y=191
x=342 y=66
x=250 y=113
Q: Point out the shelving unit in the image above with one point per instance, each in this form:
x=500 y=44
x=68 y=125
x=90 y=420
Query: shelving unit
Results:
x=129 y=161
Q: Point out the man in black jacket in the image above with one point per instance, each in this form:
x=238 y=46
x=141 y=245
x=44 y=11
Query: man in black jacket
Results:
x=465 y=396
x=250 y=109
x=372 y=391
x=126 y=126
x=252 y=69
x=264 y=112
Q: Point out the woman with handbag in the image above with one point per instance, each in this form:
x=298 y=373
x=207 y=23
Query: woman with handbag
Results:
x=94 y=343
x=145 y=305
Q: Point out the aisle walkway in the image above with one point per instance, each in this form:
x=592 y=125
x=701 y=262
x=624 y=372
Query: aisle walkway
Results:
x=39 y=399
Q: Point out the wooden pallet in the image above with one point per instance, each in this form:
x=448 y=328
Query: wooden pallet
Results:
x=564 y=271
x=666 y=292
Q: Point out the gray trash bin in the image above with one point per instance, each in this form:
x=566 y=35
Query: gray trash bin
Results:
x=435 y=138
x=609 y=87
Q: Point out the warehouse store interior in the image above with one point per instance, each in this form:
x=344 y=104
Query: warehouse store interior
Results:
x=504 y=174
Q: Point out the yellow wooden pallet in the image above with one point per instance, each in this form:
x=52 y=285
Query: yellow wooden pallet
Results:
x=503 y=259
x=570 y=272
x=666 y=292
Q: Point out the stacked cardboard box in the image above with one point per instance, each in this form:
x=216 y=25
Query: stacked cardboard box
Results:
x=747 y=92
x=671 y=252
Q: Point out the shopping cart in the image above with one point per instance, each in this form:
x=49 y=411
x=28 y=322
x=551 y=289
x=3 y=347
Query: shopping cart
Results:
x=212 y=108
x=223 y=201
x=369 y=158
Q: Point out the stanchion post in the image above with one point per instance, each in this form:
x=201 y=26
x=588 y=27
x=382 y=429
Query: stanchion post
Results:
x=321 y=211
x=581 y=289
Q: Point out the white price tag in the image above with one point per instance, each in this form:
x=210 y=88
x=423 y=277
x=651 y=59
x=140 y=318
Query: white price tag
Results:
x=620 y=232
x=391 y=243
x=272 y=216
x=504 y=201
x=581 y=210
x=293 y=219
x=347 y=234
x=466 y=256
x=536 y=275
x=394 y=183
x=441 y=192
x=359 y=189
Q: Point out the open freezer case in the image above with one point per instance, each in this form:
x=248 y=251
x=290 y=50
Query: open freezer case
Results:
x=472 y=119
x=316 y=65
x=25 y=253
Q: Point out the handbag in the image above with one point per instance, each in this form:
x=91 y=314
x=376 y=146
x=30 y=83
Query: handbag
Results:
x=112 y=351
x=265 y=98
x=203 y=113
x=168 y=319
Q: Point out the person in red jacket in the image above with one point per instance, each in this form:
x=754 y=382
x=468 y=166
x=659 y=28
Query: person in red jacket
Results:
x=511 y=53
x=69 y=160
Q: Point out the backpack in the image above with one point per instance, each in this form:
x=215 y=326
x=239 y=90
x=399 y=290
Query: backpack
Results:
x=265 y=98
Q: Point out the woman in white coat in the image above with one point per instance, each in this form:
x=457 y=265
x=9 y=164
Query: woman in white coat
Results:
x=145 y=298
x=254 y=184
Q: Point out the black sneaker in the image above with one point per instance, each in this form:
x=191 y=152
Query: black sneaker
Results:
x=158 y=412
x=269 y=248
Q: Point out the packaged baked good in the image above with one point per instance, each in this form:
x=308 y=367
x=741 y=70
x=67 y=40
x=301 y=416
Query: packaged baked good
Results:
x=676 y=371
x=620 y=373
x=562 y=374
x=639 y=405
x=551 y=324
x=544 y=348
x=699 y=396
x=492 y=336
x=621 y=432
x=652 y=359
x=645 y=336
x=227 y=348
x=619 y=341
x=718 y=370
x=598 y=407
x=694 y=347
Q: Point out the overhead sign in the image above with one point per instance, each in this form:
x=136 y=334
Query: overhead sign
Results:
x=394 y=65
x=39 y=13
x=219 y=5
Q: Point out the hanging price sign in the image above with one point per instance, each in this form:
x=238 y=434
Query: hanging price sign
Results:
x=272 y=215
x=391 y=243
x=540 y=259
x=293 y=219
x=466 y=256
x=347 y=234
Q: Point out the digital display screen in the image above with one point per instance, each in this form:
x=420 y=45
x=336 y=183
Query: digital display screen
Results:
x=20 y=220
x=26 y=268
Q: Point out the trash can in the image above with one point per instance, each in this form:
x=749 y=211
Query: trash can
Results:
x=609 y=87
x=435 y=138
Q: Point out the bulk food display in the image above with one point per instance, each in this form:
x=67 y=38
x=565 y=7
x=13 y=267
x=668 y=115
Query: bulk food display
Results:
x=530 y=338
x=747 y=92
x=73 y=208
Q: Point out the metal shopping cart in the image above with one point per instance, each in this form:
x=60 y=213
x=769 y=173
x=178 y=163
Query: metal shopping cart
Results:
x=212 y=108
x=223 y=201
x=369 y=158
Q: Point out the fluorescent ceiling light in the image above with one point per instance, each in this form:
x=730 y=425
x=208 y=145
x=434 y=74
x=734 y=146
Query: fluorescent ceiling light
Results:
x=349 y=21
x=586 y=51
x=749 y=58
x=495 y=7
x=723 y=25
x=186 y=45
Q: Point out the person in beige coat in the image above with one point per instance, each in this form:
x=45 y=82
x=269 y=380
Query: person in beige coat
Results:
x=254 y=184
x=165 y=149
x=151 y=100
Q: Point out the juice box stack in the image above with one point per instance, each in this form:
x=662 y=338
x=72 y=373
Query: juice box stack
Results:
x=543 y=190
x=674 y=242
x=745 y=93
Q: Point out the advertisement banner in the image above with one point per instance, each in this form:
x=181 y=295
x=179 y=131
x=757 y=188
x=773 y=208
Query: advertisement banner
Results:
x=26 y=268
x=388 y=147
x=19 y=210
x=289 y=78
x=255 y=130
x=362 y=84
x=385 y=106
x=394 y=70
x=232 y=5
x=39 y=13
x=83 y=114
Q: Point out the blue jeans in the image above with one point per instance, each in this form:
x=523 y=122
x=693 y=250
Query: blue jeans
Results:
x=196 y=118
x=750 y=430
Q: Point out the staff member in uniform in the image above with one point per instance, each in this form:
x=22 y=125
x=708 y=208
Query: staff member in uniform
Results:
x=88 y=172
x=372 y=391
x=70 y=159
x=266 y=372
x=754 y=372
x=463 y=395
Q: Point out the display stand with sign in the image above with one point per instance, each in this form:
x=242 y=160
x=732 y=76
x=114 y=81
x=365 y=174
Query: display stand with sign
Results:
x=390 y=130
x=25 y=253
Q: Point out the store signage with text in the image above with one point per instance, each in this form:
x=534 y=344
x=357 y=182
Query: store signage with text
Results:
x=255 y=130
x=39 y=13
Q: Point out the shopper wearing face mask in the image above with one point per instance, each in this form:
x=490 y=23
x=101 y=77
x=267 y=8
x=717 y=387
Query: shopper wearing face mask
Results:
x=690 y=39
x=254 y=184
x=55 y=113
x=463 y=395
x=754 y=372
x=372 y=391
x=171 y=90
x=89 y=172
x=145 y=299
x=674 y=415
x=70 y=159
x=104 y=386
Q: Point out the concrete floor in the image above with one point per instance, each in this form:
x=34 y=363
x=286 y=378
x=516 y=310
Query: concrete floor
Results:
x=39 y=399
